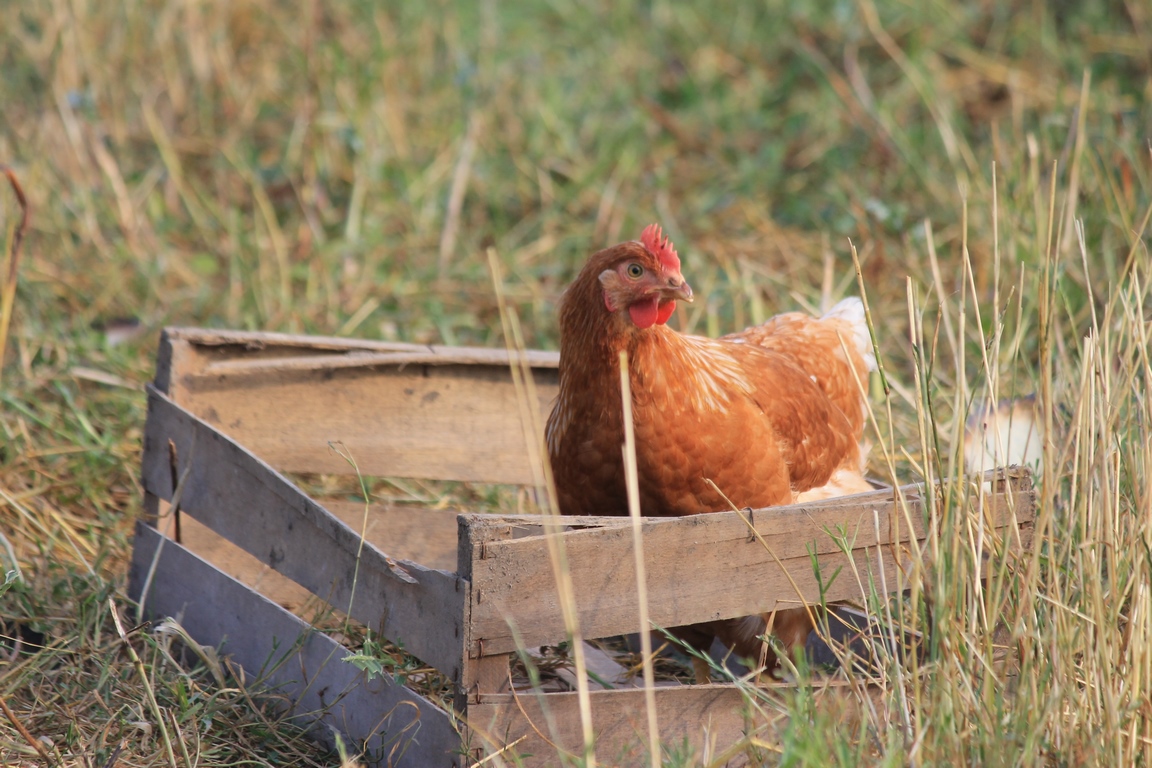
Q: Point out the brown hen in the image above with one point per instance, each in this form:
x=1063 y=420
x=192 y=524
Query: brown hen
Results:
x=767 y=414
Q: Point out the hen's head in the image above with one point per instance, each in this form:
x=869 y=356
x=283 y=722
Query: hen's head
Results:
x=641 y=280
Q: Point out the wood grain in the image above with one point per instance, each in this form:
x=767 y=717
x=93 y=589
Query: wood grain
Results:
x=694 y=564
x=286 y=655
x=400 y=410
x=230 y=344
x=699 y=713
x=256 y=508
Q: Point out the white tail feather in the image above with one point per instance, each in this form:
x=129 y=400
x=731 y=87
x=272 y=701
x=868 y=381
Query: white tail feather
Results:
x=851 y=311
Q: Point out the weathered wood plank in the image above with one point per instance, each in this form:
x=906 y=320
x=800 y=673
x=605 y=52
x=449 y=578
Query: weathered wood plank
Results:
x=227 y=344
x=400 y=727
x=691 y=563
x=712 y=718
x=702 y=714
x=254 y=507
x=399 y=409
x=434 y=422
x=519 y=525
x=224 y=369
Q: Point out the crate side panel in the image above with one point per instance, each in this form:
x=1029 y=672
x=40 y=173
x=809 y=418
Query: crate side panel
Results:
x=240 y=497
x=691 y=563
x=702 y=714
x=606 y=599
x=453 y=422
x=399 y=726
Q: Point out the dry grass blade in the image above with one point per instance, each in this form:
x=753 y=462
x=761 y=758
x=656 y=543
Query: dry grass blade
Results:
x=35 y=743
x=111 y=761
x=1073 y=195
x=534 y=434
x=507 y=748
x=633 y=483
x=158 y=716
x=456 y=197
x=343 y=452
x=12 y=263
x=178 y=484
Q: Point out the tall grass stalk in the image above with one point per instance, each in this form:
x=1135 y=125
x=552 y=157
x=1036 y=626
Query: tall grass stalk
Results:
x=10 y=266
x=633 y=483
x=526 y=398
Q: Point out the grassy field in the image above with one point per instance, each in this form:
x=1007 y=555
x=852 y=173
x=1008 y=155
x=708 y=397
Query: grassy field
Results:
x=341 y=168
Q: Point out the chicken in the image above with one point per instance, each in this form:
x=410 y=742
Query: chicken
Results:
x=766 y=414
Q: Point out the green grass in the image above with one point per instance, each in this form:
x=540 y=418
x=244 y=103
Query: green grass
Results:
x=293 y=167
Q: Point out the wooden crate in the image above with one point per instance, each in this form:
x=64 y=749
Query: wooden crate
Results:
x=229 y=412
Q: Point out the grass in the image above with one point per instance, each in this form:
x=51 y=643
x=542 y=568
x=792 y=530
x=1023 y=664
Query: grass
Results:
x=342 y=169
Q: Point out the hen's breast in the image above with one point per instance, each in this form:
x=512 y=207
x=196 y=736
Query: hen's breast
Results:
x=697 y=418
x=734 y=448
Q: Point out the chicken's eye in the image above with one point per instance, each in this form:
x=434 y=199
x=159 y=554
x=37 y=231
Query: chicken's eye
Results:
x=635 y=270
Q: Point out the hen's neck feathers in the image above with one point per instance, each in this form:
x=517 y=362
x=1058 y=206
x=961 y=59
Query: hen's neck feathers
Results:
x=591 y=337
x=699 y=374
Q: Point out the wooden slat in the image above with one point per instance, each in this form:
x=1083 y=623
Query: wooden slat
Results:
x=287 y=655
x=254 y=507
x=699 y=713
x=399 y=410
x=691 y=564
x=231 y=344
x=711 y=718
x=224 y=369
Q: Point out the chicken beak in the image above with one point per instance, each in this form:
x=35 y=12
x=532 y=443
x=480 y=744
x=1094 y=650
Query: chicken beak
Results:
x=679 y=289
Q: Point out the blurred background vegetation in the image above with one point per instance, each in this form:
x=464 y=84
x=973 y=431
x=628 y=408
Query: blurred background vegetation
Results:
x=341 y=168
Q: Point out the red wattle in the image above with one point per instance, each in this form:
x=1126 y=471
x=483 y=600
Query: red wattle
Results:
x=646 y=313
x=665 y=311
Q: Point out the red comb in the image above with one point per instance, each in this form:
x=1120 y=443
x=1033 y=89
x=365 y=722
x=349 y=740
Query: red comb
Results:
x=661 y=247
